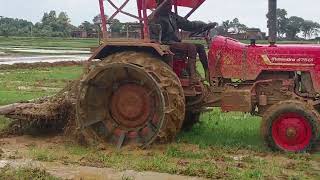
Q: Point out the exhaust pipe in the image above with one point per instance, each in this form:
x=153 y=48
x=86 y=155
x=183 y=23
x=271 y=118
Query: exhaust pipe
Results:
x=272 y=22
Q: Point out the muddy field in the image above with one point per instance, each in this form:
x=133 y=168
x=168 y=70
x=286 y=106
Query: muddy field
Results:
x=222 y=146
x=63 y=159
x=64 y=169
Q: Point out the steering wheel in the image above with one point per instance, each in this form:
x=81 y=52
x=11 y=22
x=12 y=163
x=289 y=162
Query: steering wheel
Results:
x=203 y=32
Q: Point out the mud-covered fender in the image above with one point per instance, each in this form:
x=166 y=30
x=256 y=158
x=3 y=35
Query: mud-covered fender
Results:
x=111 y=47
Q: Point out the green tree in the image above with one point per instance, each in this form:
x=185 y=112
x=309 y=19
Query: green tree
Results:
x=15 y=27
x=309 y=28
x=237 y=27
x=294 y=27
x=282 y=22
x=88 y=27
x=52 y=25
x=64 y=25
x=223 y=29
x=116 y=25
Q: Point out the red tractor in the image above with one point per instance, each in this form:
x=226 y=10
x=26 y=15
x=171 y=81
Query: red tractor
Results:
x=136 y=91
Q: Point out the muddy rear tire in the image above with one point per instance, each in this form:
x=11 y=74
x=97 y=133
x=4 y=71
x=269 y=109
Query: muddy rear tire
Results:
x=291 y=126
x=131 y=98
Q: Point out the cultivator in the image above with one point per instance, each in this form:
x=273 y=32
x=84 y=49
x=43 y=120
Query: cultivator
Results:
x=48 y=113
x=139 y=92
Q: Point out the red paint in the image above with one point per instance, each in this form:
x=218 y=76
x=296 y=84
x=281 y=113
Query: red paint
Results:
x=292 y=132
x=229 y=58
x=103 y=19
x=131 y=105
x=179 y=66
x=143 y=6
x=146 y=34
x=151 y=4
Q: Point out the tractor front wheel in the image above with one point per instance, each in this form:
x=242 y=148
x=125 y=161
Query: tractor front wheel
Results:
x=291 y=126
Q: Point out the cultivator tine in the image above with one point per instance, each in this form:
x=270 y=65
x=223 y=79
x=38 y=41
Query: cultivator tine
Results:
x=111 y=131
x=90 y=123
x=140 y=137
x=152 y=127
x=121 y=140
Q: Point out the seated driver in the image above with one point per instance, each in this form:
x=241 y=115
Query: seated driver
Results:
x=170 y=24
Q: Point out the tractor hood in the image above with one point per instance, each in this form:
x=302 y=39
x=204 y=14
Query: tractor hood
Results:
x=286 y=52
x=230 y=58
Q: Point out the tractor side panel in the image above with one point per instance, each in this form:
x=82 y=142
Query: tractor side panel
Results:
x=225 y=58
x=231 y=59
x=284 y=59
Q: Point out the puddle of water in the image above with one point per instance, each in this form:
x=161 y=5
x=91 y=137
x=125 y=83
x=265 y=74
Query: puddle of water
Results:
x=25 y=88
x=9 y=60
x=45 y=51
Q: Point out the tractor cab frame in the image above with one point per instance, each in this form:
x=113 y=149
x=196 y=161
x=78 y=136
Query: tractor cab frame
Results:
x=142 y=16
x=146 y=9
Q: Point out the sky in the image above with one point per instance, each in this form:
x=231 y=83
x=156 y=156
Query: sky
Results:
x=250 y=12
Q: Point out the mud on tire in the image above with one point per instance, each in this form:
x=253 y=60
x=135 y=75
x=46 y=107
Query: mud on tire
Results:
x=158 y=76
x=291 y=126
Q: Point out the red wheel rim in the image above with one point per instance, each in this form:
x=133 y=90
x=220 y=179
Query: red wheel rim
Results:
x=292 y=132
x=130 y=105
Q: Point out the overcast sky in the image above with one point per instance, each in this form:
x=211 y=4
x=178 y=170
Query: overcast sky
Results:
x=250 y=12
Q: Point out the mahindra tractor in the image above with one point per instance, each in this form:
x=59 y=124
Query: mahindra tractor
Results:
x=137 y=91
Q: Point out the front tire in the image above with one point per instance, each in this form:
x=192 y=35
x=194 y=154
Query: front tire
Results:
x=291 y=126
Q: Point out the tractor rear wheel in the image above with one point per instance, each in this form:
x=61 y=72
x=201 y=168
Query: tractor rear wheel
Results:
x=131 y=98
x=291 y=126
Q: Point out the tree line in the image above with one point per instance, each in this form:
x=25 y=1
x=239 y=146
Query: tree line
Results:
x=290 y=27
x=51 y=25
x=59 y=25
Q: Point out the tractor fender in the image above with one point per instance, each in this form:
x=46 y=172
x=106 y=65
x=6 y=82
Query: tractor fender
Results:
x=111 y=47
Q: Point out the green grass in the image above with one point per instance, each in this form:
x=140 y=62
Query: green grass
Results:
x=45 y=155
x=185 y=159
x=4 y=122
x=26 y=84
x=234 y=130
x=8 y=173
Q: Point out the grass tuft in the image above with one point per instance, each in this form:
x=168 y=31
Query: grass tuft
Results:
x=25 y=173
x=45 y=155
x=4 y=122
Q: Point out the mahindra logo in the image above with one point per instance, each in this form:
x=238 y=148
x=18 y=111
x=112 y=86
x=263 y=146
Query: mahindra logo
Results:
x=292 y=60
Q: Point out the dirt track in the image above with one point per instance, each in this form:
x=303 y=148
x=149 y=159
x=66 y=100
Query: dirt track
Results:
x=12 y=152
